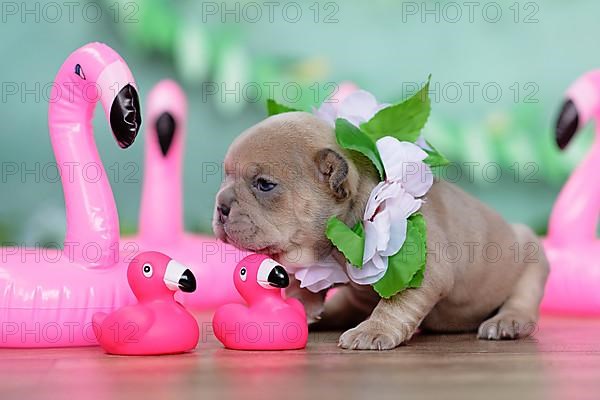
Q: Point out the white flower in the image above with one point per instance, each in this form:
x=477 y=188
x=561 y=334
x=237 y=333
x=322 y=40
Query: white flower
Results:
x=356 y=107
x=389 y=206
x=320 y=276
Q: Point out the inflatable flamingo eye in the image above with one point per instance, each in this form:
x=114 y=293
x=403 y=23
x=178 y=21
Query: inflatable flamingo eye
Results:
x=79 y=72
x=147 y=270
x=243 y=274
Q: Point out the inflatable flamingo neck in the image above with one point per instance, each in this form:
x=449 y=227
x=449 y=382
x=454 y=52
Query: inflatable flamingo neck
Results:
x=92 y=73
x=575 y=214
x=161 y=215
x=574 y=217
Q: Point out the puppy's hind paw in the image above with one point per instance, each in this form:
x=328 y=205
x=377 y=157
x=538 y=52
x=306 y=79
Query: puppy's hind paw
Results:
x=506 y=326
x=371 y=335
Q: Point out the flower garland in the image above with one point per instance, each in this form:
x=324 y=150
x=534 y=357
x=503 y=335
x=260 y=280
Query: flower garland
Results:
x=388 y=248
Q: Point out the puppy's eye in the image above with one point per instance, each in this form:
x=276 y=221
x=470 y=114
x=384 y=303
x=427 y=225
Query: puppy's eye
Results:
x=243 y=274
x=264 y=185
x=147 y=270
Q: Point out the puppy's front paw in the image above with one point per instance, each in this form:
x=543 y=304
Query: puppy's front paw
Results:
x=506 y=325
x=372 y=335
x=313 y=314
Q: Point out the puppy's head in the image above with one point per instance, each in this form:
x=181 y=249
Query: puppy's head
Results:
x=284 y=178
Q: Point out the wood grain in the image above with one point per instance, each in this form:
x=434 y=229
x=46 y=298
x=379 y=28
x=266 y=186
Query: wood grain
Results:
x=562 y=360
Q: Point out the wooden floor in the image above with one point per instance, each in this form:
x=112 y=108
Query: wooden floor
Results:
x=562 y=361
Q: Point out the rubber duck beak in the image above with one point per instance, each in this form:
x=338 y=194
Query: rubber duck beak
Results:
x=566 y=124
x=165 y=130
x=278 y=277
x=271 y=275
x=125 y=116
x=179 y=277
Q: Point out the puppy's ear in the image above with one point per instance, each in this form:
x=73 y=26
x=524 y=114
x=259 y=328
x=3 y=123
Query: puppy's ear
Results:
x=333 y=169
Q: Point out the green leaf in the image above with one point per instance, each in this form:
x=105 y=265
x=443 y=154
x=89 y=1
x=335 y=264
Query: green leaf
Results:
x=274 y=108
x=416 y=281
x=351 y=243
x=350 y=137
x=359 y=229
x=403 y=121
x=406 y=268
x=434 y=157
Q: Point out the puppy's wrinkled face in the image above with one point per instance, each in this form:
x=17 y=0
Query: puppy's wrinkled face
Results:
x=284 y=178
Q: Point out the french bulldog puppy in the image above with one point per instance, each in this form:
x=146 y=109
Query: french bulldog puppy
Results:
x=284 y=178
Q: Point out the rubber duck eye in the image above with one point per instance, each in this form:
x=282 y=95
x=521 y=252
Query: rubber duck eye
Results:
x=147 y=270
x=243 y=274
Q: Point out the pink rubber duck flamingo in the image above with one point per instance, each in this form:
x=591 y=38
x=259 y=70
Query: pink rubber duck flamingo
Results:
x=267 y=322
x=157 y=324
x=572 y=246
x=161 y=214
x=48 y=296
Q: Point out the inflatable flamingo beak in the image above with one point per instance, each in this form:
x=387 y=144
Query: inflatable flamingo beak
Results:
x=582 y=104
x=125 y=116
x=566 y=124
x=165 y=130
x=179 y=277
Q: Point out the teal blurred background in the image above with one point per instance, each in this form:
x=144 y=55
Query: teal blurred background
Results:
x=499 y=70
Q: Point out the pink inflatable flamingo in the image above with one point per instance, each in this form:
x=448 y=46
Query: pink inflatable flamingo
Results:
x=572 y=246
x=48 y=296
x=161 y=215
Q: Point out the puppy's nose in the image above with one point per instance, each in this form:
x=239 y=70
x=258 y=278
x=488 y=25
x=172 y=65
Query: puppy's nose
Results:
x=223 y=211
x=224 y=201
